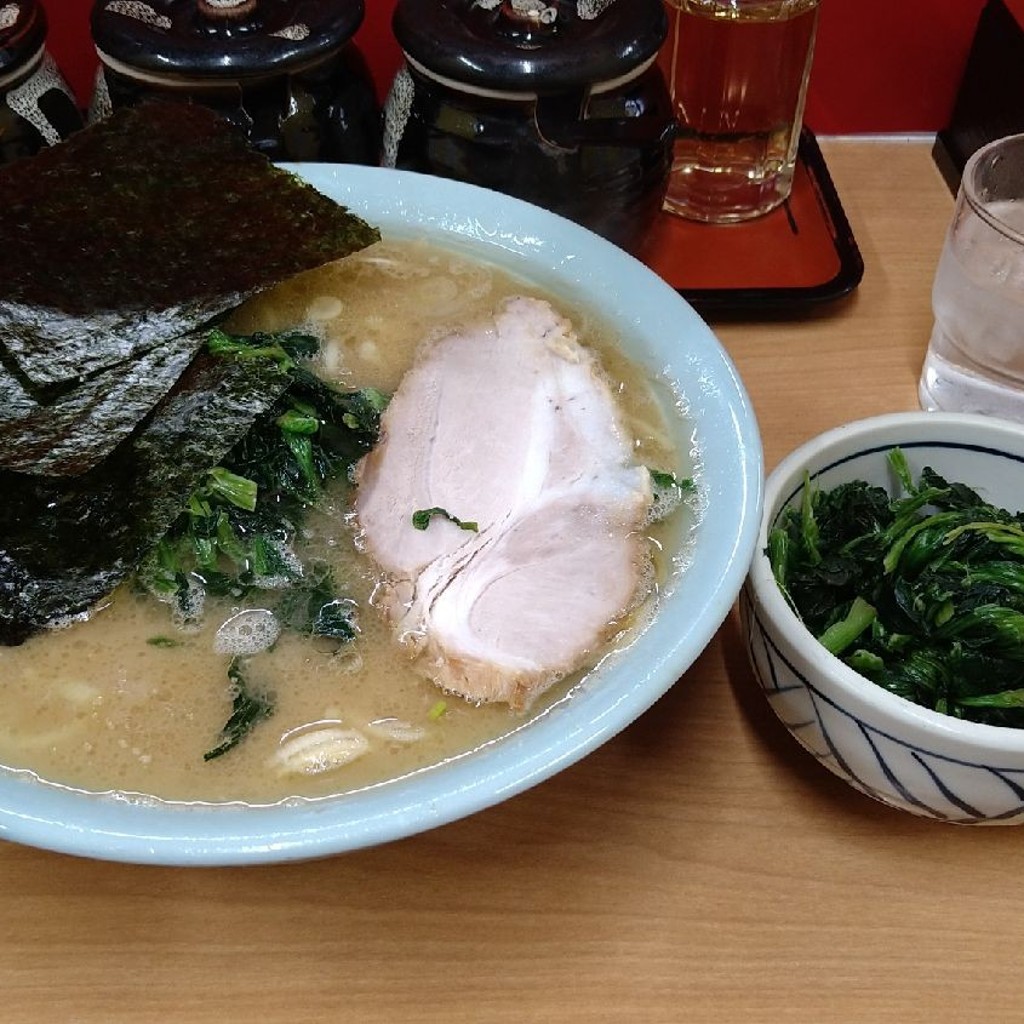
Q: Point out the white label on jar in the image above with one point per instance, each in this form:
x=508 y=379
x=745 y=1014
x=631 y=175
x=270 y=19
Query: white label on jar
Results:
x=545 y=13
x=101 y=106
x=296 y=33
x=24 y=100
x=140 y=12
x=590 y=9
x=397 y=109
x=586 y=10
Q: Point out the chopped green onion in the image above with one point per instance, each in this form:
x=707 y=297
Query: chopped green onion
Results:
x=421 y=519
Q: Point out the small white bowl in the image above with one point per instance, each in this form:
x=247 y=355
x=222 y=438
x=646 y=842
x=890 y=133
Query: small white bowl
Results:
x=887 y=747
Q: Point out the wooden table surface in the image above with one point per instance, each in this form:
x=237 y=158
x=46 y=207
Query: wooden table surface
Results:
x=698 y=867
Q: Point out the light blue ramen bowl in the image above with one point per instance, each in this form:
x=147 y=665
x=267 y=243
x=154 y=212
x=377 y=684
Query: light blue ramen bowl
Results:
x=902 y=754
x=660 y=332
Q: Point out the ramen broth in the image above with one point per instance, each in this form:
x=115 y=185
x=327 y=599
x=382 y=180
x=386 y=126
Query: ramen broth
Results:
x=126 y=702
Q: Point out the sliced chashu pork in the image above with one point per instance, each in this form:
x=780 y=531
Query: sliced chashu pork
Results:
x=513 y=427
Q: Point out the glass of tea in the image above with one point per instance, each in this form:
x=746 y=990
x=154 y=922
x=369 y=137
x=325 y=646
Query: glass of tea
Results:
x=737 y=71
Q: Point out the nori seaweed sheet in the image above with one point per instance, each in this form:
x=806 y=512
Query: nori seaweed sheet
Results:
x=65 y=543
x=70 y=432
x=16 y=401
x=143 y=227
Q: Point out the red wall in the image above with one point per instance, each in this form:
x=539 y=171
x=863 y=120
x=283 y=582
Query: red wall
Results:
x=880 y=65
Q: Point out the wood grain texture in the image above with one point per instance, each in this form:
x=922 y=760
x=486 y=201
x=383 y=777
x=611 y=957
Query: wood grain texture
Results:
x=698 y=867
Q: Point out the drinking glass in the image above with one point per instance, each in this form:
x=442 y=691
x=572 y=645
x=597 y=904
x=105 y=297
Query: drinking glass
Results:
x=975 y=357
x=737 y=71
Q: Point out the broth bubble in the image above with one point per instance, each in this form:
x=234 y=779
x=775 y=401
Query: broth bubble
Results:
x=248 y=632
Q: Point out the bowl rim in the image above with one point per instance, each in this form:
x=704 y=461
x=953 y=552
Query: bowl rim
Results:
x=779 y=486
x=619 y=286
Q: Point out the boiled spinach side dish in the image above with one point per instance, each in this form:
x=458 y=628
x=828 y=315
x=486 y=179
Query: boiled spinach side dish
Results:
x=922 y=593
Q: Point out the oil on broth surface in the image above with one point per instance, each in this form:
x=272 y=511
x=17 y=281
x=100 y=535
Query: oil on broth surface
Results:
x=99 y=706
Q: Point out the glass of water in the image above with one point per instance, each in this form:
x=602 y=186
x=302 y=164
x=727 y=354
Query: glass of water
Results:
x=975 y=358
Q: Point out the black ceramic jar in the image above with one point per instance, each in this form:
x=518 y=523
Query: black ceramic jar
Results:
x=285 y=71
x=559 y=103
x=37 y=108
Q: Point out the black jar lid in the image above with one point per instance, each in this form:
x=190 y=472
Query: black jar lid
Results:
x=221 y=39
x=530 y=45
x=22 y=33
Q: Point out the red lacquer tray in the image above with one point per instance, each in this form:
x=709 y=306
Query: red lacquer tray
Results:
x=801 y=254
